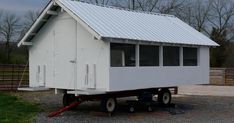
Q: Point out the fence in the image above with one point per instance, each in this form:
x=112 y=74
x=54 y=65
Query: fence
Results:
x=222 y=76
x=11 y=75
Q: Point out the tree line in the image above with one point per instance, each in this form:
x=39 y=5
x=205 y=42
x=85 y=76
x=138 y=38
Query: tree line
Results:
x=213 y=18
x=12 y=28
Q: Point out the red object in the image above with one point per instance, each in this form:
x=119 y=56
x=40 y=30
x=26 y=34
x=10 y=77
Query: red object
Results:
x=56 y=113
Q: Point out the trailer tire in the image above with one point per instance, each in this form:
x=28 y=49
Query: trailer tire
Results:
x=164 y=97
x=131 y=109
x=150 y=109
x=108 y=105
x=68 y=99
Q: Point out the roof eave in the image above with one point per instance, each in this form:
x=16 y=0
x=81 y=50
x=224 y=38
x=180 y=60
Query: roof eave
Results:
x=80 y=21
x=45 y=12
x=125 y=40
x=38 y=20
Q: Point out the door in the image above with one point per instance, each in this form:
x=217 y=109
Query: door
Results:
x=41 y=75
x=90 y=76
x=65 y=54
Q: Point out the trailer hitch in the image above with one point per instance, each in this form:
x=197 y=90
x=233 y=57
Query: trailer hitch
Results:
x=56 y=113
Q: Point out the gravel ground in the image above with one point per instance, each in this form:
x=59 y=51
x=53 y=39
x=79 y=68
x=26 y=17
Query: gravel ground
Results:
x=188 y=108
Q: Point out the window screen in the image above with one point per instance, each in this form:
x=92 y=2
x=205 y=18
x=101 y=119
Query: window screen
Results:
x=190 y=56
x=122 y=55
x=171 y=56
x=149 y=55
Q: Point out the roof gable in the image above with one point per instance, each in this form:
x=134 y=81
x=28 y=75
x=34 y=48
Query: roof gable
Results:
x=107 y=22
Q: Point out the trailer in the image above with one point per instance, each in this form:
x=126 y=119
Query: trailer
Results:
x=89 y=51
x=108 y=101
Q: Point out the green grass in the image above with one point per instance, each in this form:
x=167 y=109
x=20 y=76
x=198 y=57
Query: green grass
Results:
x=15 y=110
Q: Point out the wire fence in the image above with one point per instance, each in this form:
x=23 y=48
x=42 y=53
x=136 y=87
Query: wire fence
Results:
x=13 y=75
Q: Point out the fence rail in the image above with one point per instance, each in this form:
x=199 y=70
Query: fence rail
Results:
x=11 y=75
x=222 y=76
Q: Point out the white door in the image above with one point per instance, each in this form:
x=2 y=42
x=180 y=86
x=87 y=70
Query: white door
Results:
x=90 y=76
x=41 y=75
x=65 y=54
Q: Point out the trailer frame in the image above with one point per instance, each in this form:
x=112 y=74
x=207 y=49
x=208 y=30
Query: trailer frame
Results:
x=112 y=95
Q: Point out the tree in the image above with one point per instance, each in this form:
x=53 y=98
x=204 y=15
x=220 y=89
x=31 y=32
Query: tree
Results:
x=222 y=22
x=196 y=13
x=9 y=30
x=29 y=18
x=222 y=17
x=219 y=54
x=229 y=62
x=161 y=6
x=98 y=2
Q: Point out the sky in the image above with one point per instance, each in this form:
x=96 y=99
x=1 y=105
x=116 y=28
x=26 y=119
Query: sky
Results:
x=19 y=7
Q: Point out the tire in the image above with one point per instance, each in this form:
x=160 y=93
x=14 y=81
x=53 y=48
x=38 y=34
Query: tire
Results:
x=108 y=105
x=68 y=99
x=150 y=109
x=145 y=97
x=164 y=97
x=131 y=109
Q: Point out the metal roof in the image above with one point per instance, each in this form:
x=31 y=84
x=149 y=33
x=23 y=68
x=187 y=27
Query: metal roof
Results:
x=110 y=22
x=116 y=23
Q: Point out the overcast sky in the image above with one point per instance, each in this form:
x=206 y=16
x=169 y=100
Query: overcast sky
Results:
x=19 y=7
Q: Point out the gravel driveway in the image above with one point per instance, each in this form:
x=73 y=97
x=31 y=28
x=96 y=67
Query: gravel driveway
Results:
x=188 y=108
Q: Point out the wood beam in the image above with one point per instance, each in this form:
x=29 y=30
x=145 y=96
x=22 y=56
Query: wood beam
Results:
x=52 y=12
x=44 y=20
x=27 y=43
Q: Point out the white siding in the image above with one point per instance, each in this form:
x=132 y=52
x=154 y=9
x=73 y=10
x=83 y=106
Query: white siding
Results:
x=59 y=31
x=129 y=78
x=92 y=52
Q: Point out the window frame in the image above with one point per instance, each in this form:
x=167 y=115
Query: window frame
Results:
x=197 y=57
x=179 y=56
x=156 y=53
x=121 y=43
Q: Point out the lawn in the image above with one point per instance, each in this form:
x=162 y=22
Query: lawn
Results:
x=15 y=110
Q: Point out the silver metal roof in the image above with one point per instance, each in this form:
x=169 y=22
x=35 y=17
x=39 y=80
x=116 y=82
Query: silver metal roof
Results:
x=110 y=22
x=116 y=23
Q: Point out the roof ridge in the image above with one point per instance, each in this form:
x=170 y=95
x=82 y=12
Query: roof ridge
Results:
x=126 y=9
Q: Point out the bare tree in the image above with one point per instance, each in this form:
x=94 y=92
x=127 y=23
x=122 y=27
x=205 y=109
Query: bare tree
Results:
x=29 y=18
x=1 y=12
x=196 y=13
x=161 y=6
x=147 y=5
x=169 y=6
x=222 y=17
x=98 y=2
x=9 y=30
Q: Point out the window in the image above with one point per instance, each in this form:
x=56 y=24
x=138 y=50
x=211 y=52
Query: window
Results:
x=122 y=55
x=190 y=56
x=171 y=56
x=149 y=55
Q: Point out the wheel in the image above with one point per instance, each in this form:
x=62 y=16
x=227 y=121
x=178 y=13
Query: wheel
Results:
x=131 y=109
x=108 y=104
x=150 y=109
x=145 y=97
x=68 y=99
x=164 y=97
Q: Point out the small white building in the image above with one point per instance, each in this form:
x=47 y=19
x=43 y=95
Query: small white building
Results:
x=90 y=49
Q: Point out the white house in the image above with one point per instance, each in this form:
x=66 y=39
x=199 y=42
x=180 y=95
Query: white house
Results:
x=90 y=49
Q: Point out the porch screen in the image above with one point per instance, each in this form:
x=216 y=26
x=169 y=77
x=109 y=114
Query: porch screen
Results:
x=122 y=55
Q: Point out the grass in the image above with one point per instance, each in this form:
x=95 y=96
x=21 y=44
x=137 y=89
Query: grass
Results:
x=15 y=110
